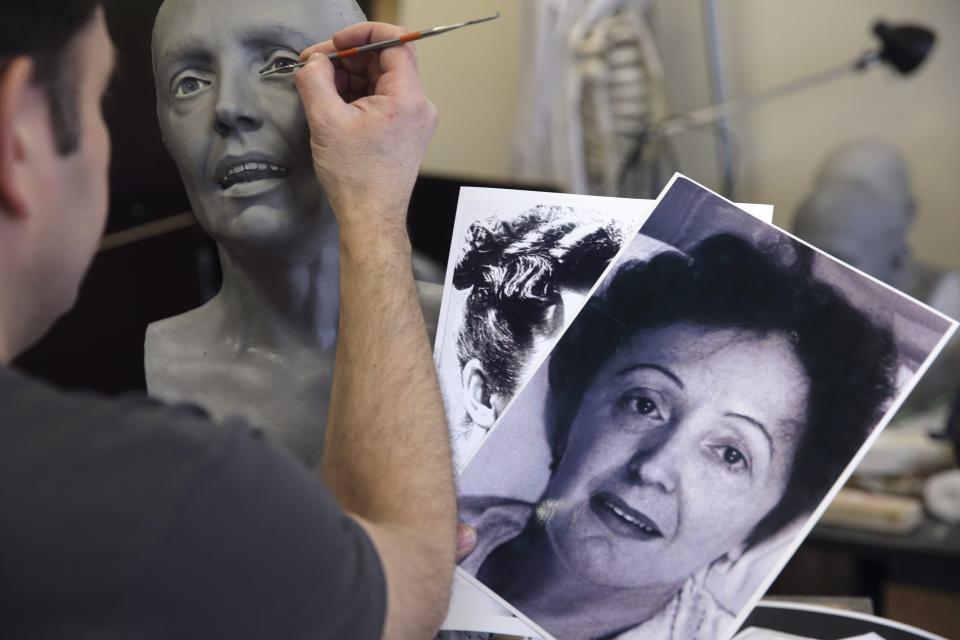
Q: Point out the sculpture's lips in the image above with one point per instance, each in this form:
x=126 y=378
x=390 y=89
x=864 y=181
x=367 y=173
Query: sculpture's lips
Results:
x=248 y=168
x=622 y=519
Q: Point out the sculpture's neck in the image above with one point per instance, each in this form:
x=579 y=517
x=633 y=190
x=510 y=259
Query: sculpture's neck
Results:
x=281 y=305
x=909 y=277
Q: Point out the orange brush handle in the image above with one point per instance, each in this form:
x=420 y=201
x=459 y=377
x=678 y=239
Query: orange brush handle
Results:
x=378 y=46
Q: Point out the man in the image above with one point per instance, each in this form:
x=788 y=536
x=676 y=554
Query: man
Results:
x=130 y=520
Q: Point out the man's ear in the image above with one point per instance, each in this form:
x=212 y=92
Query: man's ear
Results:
x=16 y=102
x=477 y=396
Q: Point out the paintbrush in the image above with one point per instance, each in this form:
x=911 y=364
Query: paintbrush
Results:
x=386 y=44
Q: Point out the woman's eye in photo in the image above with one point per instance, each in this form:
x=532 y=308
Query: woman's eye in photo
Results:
x=281 y=65
x=646 y=406
x=189 y=85
x=643 y=405
x=732 y=457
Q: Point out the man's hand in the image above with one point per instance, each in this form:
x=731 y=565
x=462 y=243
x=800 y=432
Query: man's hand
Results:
x=466 y=541
x=370 y=125
x=387 y=455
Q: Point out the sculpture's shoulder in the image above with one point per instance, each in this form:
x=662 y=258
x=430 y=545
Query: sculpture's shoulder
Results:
x=176 y=334
x=171 y=345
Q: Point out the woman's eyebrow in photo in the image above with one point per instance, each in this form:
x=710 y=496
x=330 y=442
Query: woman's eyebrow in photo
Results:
x=656 y=367
x=753 y=421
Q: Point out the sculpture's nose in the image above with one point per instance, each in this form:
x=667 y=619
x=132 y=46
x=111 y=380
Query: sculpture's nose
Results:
x=238 y=107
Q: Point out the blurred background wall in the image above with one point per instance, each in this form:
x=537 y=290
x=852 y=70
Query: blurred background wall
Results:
x=475 y=77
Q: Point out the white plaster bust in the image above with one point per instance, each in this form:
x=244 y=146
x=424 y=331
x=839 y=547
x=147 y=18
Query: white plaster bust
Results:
x=861 y=210
x=264 y=346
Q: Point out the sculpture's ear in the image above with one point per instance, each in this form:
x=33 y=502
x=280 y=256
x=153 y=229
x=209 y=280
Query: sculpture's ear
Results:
x=479 y=401
x=901 y=259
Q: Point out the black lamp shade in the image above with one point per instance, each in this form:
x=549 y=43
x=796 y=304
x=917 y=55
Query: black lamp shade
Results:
x=904 y=47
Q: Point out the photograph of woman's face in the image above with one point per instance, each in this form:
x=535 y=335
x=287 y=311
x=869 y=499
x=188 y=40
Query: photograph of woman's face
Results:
x=683 y=443
x=700 y=408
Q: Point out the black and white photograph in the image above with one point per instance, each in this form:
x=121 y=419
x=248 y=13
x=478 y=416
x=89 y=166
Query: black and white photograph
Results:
x=522 y=265
x=516 y=283
x=800 y=621
x=688 y=428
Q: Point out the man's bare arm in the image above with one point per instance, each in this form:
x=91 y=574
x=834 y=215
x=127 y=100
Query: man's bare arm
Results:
x=387 y=456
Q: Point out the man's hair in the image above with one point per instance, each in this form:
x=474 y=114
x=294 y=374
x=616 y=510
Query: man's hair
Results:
x=44 y=30
x=726 y=282
x=515 y=271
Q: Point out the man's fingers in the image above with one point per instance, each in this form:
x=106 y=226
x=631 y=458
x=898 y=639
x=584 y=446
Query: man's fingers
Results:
x=466 y=540
x=399 y=62
x=355 y=36
x=359 y=63
x=342 y=81
x=354 y=105
x=359 y=85
x=367 y=33
x=398 y=73
x=317 y=84
x=322 y=48
x=362 y=63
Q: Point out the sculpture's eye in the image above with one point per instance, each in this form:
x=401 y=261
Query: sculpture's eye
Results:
x=281 y=63
x=187 y=85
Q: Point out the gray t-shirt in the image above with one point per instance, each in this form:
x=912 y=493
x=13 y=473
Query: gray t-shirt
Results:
x=129 y=519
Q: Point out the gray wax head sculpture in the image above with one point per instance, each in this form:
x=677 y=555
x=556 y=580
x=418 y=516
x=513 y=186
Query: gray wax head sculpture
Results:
x=263 y=347
x=861 y=210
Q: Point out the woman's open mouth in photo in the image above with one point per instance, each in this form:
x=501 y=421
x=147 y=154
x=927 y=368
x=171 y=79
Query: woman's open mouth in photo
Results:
x=622 y=519
x=249 y=174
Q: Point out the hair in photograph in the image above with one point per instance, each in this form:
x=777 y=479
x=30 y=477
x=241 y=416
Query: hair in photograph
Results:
x=515 y=271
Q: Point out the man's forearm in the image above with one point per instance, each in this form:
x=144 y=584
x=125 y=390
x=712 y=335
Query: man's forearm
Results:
x=387 y=455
